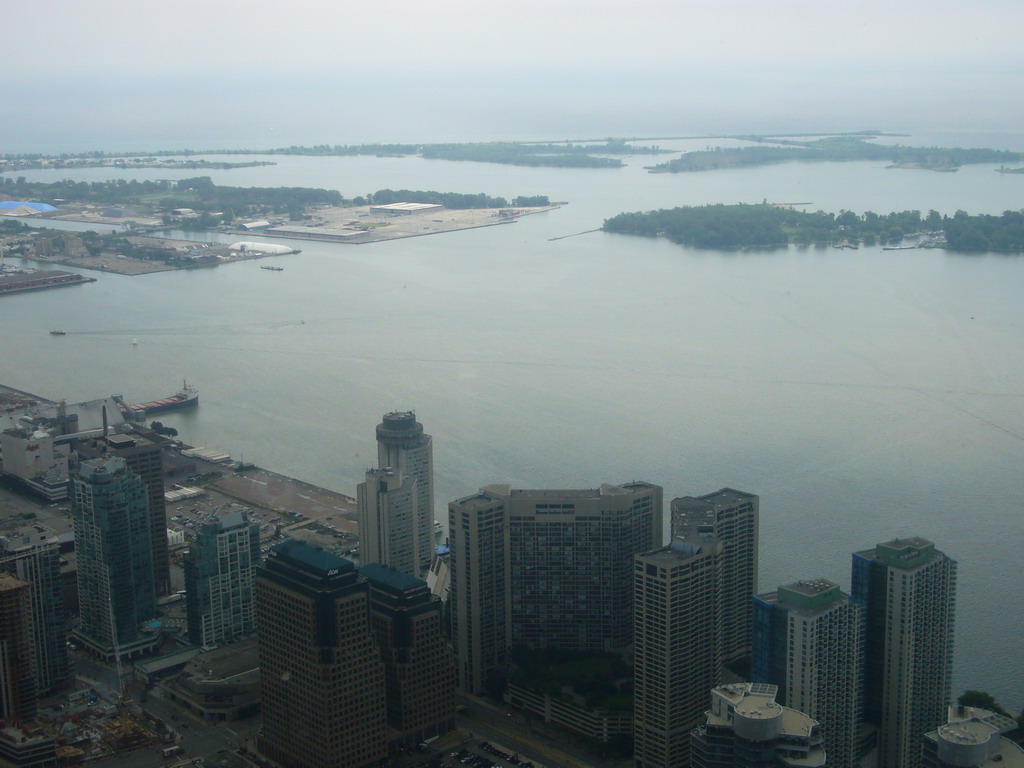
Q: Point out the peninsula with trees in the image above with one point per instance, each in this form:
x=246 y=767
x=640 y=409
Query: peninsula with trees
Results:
x=125 y=209
x=773 y=226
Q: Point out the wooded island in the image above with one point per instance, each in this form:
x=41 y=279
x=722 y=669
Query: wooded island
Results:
x=768 y=226
x=846 y=148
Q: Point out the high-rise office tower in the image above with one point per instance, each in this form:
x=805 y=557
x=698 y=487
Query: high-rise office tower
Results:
x=972 y=738
x=35 y=557
x=747 y=728
x=144 y=456
x=571 y=563
x=545 y=569
x=321 y=674
x=387 y=504
x=478 y=586
x=405 y=619
x=402 y=446
x=18 y=690
x=907 y=590
x=676 y=656
x=807 y=642
x=691 y=616
x=113 y=541
x=219 y=570
x=732 y=517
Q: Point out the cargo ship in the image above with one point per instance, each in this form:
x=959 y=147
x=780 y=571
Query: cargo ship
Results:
x=186 y=397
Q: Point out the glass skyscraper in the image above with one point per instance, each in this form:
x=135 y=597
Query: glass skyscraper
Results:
x=113 y=540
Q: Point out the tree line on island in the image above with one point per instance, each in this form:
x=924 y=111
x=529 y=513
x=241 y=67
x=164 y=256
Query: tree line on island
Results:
x=564 y=154
x=453 y=200
x=844 y=148
x=578 y=153
x=769 y=226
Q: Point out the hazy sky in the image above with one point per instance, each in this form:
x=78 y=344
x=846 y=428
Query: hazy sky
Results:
x=323 y=70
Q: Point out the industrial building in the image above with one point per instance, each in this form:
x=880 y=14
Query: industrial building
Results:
x=405 y=209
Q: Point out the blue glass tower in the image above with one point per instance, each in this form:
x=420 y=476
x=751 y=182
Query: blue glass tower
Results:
x=116 y=589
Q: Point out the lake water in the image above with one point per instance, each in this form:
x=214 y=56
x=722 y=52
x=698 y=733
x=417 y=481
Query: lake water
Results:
x=863 y=395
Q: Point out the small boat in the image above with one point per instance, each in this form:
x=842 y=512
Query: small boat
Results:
x=58 y=333
x=273 y=269
x=899 y=247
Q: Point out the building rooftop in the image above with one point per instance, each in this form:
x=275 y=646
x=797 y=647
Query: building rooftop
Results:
x=101 y=470
x=727 y=497
x=227 y=520
x=756 y=701
x=235 y=661
x=973 y=736
x=676 y=552
x=807 y=596
x=495 y=489
x=812 y=587
x=311 y=559
x=391 y=580
x=737 y=692
x=905 y=553
x=406 y=207
x=9 y=582
x=572 y=494
x=21 y=537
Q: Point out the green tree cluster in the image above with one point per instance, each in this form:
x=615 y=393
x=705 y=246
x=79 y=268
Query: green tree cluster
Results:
x=750 y=226
x=118 y=191
x=985 y=232
x=835 y=149
x=511 y=153
x=452 y=200
x=205 y=195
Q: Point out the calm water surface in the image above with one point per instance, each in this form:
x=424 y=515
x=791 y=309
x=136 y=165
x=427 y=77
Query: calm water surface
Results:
x=864 y=395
